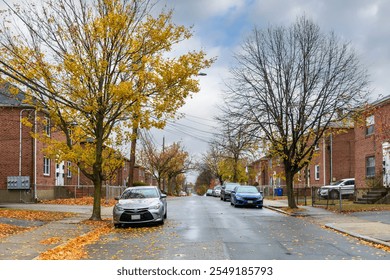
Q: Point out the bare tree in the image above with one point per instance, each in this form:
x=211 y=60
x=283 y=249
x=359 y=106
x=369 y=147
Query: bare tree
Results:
x=235 y=144
x=167 y=163
x=289 y=84
x=210 y=163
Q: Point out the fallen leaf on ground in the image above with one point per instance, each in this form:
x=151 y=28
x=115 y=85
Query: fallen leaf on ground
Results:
x=51 y=240
x=7 y=230
x=32 y=215
x=74 y=248
x=87 y=200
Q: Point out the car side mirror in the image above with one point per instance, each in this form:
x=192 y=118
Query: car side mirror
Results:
x=117 y=197
x=163 y=195
x=233 y=192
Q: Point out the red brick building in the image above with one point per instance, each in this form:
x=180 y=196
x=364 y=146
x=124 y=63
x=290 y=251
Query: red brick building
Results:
x=26 y=175
x=23 y=168
x=372 y=145
x=334 y=159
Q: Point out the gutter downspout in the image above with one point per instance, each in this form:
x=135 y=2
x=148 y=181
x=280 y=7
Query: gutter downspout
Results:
x=331 y=156
x=35 y=157
x=324 y=158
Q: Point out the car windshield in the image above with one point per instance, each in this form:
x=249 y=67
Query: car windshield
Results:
x=230 y=187
x=140 y=193
x=337 y=183
x=247 y=190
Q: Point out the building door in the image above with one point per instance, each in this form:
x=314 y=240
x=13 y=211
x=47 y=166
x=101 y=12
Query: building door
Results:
x=60 y=173
x=386 y=164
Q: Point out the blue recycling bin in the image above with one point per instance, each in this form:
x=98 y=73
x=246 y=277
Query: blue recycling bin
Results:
x=278 y=191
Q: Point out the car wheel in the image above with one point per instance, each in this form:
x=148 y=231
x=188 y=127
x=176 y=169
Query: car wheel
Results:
x=334 y=194
x=117 y=225
x=260 y=207
x=166 y=214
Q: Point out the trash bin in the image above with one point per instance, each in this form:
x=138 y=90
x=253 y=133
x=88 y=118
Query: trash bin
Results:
x=278 y=191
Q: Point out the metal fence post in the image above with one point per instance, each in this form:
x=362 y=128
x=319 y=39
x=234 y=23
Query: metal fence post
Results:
x=340 y=199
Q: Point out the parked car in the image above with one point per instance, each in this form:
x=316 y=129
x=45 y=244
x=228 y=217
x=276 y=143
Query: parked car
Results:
x=246 y=196
x=227 y=189
x=182 y=193
x=345 y=186
x=217 y=191
x=142 y=204
x=209 y=192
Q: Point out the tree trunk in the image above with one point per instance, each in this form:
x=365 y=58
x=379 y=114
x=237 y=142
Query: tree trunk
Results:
x=98 y=172
x=290 y=190
x=96 y=211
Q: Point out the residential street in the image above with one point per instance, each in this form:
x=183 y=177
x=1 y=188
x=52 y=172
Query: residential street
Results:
x=201 y=228
x=206 y=228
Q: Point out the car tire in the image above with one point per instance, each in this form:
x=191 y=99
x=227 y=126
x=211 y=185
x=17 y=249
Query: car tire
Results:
x=117 y=225
x=166 y=214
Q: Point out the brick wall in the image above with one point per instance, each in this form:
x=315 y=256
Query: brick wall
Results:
x=371 y=145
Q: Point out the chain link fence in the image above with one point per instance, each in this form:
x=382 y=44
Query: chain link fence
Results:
x=49 y=192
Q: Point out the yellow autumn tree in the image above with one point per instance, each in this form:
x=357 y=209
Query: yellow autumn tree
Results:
x=94 y=65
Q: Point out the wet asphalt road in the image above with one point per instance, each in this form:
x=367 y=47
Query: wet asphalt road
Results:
x=206 y=228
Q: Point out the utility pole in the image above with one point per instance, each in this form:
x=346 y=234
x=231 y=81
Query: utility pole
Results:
x=163 y=150
x=133 y=146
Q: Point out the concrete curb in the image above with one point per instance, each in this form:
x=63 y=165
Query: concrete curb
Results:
x=331 y=226
x=357 y=235
x=277 y=209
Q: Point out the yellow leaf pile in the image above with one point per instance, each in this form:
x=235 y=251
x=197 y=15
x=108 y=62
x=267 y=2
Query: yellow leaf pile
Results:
x=31 y=215
x=6 y=230
x=74 y=249
x=78 y=201
x=51 y=240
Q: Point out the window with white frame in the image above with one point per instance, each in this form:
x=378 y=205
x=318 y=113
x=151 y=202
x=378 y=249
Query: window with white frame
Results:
x=46 y=166
x=317 y=172
x=69 y=171
x=46 y=127
x=370 y=166
x=370 y=122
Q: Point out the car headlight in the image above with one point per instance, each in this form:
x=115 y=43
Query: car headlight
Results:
x=157 y=206
x=118 y=208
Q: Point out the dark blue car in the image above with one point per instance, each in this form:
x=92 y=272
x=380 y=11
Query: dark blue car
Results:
x=246 y=196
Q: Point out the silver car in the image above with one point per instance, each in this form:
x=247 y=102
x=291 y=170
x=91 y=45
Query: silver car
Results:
x=136 y=205
x=345 y=187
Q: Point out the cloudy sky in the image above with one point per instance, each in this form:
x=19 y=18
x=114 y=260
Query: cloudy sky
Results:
x=220 y=26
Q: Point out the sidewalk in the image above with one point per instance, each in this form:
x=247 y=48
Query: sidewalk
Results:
x=30 y=244
x=372 y=231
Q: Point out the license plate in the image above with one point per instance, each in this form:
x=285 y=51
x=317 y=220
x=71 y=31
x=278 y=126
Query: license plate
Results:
x=136 y=217
x=250 y=201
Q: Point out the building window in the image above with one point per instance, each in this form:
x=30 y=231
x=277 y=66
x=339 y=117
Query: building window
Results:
x=370 y=121
x=46 y=127
x=370 y=166
x=317 y=172
x=69 y=172
x=46 y=166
